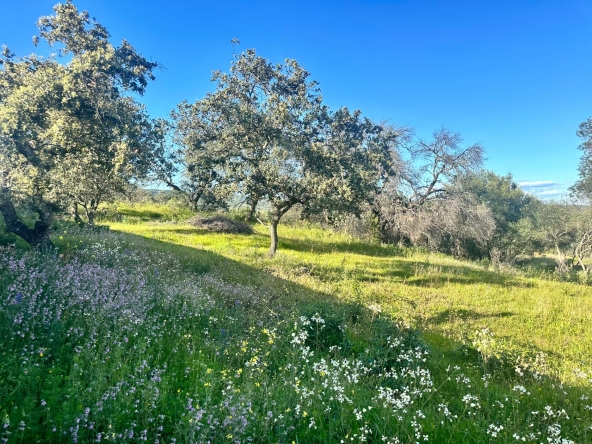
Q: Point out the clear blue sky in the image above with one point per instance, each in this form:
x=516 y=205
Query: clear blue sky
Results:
x=515 y=76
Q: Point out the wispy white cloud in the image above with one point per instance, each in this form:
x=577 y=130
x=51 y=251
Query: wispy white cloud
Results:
x=545 y=189
x=550 y=193
x=538 y=183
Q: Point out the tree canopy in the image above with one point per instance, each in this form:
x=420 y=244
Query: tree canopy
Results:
x=71 y=133
x=583 y=185
x=266 y=131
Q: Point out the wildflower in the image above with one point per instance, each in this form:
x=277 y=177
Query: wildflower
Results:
x=493 y=430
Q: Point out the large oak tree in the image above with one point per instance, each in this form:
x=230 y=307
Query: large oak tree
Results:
x=265 y=130
x=70 y=132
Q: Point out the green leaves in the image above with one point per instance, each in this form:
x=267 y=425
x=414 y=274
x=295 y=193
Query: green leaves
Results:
x=71 y=132
x=583 y=186
x=266 y=131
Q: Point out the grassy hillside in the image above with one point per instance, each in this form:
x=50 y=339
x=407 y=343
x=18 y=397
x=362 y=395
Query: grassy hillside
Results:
x=158 y=331
x=432 y=292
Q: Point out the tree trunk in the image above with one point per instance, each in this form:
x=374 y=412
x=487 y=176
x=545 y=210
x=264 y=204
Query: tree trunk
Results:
x=561 y=265
x=253 y=207
x=383 y=227
x=274 y=235
x=194 y=202
x=38 y=236
x=91 y=210
x=76 y=215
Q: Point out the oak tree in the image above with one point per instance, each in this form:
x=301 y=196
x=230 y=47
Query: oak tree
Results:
x=265 y=130
x=71 y=132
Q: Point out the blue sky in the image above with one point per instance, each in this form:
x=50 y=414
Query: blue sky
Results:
x=514 y=76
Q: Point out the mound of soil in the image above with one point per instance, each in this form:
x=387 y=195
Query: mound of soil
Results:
x=220 y=224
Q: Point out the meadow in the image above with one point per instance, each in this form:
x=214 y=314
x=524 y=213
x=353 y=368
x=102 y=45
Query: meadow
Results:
x=148 y=329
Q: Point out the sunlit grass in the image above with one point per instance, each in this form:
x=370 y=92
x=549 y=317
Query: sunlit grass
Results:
x=432 y=291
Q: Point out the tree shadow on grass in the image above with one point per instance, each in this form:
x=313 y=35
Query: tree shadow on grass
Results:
x=202 y=261
x=411 y=272
x=439 y=282
x=416 y=273
x=143 y=214
x=539 y=263
x=353 y=247
x=449 y=315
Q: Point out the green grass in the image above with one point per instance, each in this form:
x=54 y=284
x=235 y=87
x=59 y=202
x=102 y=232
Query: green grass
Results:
x=134 y=213
x=159 y=331
x=432 y=292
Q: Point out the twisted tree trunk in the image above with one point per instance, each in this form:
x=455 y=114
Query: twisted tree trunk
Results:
x=38 y=236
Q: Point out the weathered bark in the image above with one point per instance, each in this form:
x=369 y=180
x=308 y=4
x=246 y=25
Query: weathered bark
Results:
x=91 y=217
x=193 y=199
x=38 y=236
x=275 y=217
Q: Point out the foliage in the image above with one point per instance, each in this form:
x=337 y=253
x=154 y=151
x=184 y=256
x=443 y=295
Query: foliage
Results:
x=266 y=131
x=565 y=228
x=508 y=205
x=583 y=186
x=71 y=133
x=502 y=196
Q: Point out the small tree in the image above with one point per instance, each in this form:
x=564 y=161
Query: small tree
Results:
x=564 y=228
x=507 y=202
x=425 y=174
